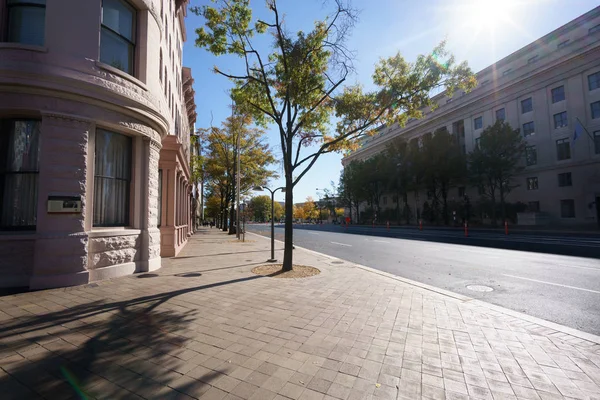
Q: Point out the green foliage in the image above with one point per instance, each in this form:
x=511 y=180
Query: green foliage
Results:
x=495 y=161
x=220 y=166
x=260 y=207
x=298 y=85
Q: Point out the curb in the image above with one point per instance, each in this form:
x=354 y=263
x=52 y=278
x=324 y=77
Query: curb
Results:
x=551 y=325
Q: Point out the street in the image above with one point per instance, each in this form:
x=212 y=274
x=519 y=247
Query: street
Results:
x=557 y=288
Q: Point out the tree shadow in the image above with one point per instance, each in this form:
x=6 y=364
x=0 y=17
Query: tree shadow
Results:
x=103 y=350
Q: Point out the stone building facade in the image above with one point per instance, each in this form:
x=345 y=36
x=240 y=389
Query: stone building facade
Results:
x=88 y=105
x=546 y=89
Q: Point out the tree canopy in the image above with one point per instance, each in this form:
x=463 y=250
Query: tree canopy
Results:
x=299 y=85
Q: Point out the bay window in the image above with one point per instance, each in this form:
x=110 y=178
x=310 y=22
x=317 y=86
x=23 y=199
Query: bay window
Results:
x=117 y=38
x=26 y=21
x=112 y=179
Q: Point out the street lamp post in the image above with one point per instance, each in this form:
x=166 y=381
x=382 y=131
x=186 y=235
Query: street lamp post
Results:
x=260 y=188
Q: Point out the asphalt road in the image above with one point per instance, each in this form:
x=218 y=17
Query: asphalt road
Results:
x=557 y=288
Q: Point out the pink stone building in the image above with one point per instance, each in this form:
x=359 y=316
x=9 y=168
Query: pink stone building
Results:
x=95 y=119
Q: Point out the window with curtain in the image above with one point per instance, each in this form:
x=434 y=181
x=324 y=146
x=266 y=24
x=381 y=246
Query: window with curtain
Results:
x=19 y=170
x=112 y=179
x=117 y=38
x=26 y=21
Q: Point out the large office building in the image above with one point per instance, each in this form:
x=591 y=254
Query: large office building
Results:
x=95 y=118
x=543 y=89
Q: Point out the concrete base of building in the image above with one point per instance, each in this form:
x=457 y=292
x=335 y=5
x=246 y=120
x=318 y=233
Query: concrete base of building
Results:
x=61 y=280
x=113 y=271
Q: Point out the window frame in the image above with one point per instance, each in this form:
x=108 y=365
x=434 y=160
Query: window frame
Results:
x=596 y=142
x=530 y=102
x=563 y=181
x=530 y=150
x=129 y=180
x=135 y=34
x=596 y=76
x=562 y=142
x=9 y=122
x=563 y=203
x=564 y=121
x=503 y=114
x=532 y=132
x=554 y=91
x=595 y=103
x=5 y=33
x=532 y=183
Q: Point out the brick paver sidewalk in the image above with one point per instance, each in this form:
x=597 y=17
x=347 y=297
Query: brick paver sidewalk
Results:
x=205 y=327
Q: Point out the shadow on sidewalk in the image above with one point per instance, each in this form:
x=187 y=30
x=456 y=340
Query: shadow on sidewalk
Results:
x=224 y=254
x=100 y=349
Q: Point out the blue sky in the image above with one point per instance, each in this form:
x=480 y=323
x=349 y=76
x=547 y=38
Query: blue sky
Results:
x=478 y=31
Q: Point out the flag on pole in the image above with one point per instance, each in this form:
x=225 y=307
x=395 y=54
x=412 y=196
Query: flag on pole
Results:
x=578 y=130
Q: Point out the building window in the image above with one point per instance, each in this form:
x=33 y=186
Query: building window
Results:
x=508 y=71
x=160 y=67
x=117 y=39
x=597 y=142
x=595 y=109
x=560 y=120
x=159 y=217
x=563 y=149
x=26 y=22
x=532 y=183
x=165 y=89
x=594 y=81
x=594 y=29
x=558 y=94
x=564 y=179
x=526 y=105
x=531 y=155
x=533 y=206
x=500 y=114
x=562 y=44
x=19 y=169
x=528 y=129
x=478 y=123
x=533 y=59
x=112 y=177
x=477 y=140
x=567 y=208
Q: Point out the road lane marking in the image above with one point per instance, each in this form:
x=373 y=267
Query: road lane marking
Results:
x=551 y=283
x=380 y=241
x=341 y=244
x=313 y=233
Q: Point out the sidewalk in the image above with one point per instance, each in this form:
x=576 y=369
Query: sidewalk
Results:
x=205 y=327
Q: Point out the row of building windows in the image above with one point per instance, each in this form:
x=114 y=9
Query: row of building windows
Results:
x=564 y=180
x=558 y=95
x=19 y=171
x=567 y=208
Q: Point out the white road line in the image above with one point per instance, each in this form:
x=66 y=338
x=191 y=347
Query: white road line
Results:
x=380 y=241
x=551 y=283
x=342 y=244
x=313 y=233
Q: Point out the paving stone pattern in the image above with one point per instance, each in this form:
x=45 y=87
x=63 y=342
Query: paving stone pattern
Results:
x=205 y=327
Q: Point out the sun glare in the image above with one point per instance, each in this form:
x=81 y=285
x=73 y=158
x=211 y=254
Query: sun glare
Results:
x=487 y=15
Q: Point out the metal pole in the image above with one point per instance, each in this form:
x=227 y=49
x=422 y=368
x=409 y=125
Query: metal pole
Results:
x=272 y=226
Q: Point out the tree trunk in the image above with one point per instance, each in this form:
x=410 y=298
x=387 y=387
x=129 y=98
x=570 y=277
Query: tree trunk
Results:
x=445 y=204
x=502 y=207
x=493 y=198
x=289 y=227
x=232 y=218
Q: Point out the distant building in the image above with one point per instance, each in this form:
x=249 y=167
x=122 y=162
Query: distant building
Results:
x=542 y=89
x=95 y=116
